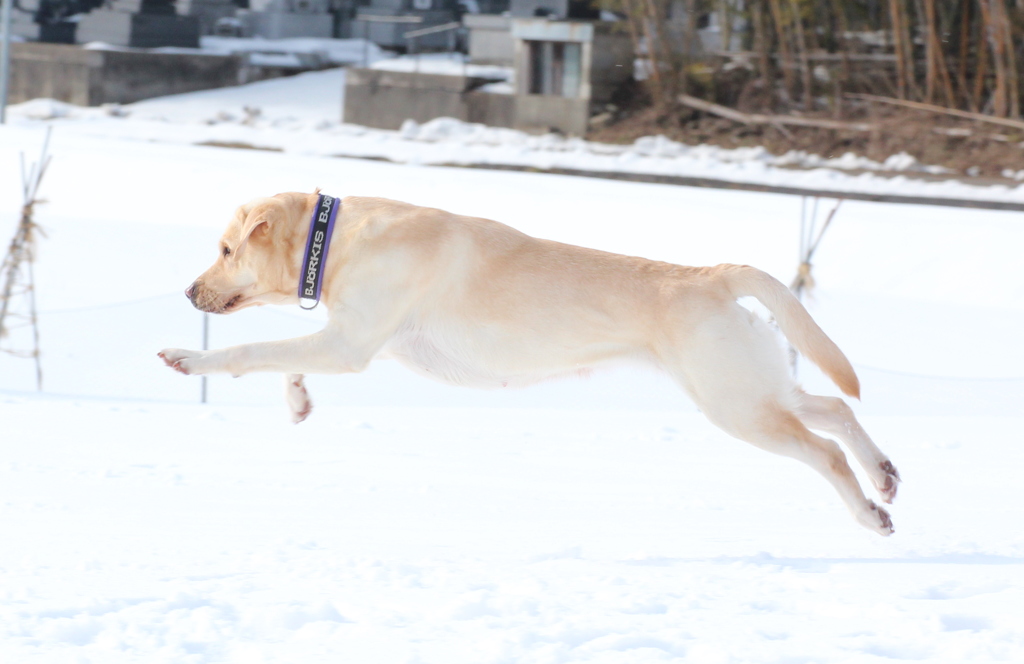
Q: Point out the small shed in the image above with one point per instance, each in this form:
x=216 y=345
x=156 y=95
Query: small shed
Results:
x=562 y=72
x=563 y=68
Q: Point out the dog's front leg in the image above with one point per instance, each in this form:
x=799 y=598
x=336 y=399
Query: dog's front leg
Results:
x=327 y=351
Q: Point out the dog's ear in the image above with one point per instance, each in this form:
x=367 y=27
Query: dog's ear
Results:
x=256 y=219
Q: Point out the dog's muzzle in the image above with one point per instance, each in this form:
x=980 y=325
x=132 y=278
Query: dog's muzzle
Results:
x=204 y=299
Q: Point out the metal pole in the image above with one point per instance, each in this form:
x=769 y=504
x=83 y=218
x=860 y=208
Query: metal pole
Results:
x=5 y=56
x=206 y=346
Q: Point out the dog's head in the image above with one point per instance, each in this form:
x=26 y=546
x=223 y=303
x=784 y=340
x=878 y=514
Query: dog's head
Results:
x=258 y=258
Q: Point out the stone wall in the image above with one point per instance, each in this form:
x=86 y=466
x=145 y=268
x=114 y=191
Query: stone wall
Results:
x=385 y=99
x=65 y=73
x=128 y=76
x=90 y=78
x=543 y=113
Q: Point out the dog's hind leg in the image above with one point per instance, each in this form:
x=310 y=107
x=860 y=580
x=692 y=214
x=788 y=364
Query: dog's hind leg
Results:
x=776 y=429
x=297 y=397
x=833 y=415
x=741 y=383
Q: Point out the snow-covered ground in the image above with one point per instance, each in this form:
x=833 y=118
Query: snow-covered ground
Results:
x=406 y=521
x=302 y=115
x=263 y=51
x=447 y=64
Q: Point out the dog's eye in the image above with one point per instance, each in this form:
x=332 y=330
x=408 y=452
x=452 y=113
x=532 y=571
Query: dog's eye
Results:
x=226 y=251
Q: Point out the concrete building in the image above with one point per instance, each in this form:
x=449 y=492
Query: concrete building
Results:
x=561 y=70
x=490 y=39
x=385 y=23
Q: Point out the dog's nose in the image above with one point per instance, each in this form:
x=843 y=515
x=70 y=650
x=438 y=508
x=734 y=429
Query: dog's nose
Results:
x=190 y=292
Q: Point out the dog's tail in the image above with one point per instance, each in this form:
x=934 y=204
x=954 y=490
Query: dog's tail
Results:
x=795 y=323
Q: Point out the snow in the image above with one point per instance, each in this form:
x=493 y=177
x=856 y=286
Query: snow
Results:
x=296 y=52
x=336 y=51
x=302 y=115
x=448 y=64
x=406 y=521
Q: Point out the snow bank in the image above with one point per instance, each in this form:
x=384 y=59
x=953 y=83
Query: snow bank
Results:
x=301 y=115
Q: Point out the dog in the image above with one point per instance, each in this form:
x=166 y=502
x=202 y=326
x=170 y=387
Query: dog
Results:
x=474 y=302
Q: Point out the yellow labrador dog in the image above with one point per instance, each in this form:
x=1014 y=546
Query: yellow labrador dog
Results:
x=474 y=302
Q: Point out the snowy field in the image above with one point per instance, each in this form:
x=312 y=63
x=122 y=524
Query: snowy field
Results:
x=409 y=522
x=303 y=116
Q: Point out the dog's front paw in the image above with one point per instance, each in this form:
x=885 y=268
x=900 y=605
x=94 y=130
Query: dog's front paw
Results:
x=187 y=362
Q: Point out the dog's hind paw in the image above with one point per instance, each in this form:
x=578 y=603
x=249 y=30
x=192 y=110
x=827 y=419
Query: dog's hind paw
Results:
x=878 y=520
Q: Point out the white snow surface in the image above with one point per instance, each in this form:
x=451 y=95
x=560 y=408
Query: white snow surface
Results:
x=303 y=115
x=337 y=51
x=596 y=521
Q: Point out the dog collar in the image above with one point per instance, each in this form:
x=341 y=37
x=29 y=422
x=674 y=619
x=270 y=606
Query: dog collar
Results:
x=320 y=228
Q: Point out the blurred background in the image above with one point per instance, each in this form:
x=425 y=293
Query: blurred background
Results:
x=878 y=143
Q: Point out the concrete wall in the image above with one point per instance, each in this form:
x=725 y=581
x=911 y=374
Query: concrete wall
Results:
x=542 y=113
x=128 y=76
x=91 y=78
x=493 y=110
x=66 y=73
x=385 y=99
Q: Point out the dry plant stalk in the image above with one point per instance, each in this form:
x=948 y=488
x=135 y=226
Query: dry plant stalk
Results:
x=960 y=54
